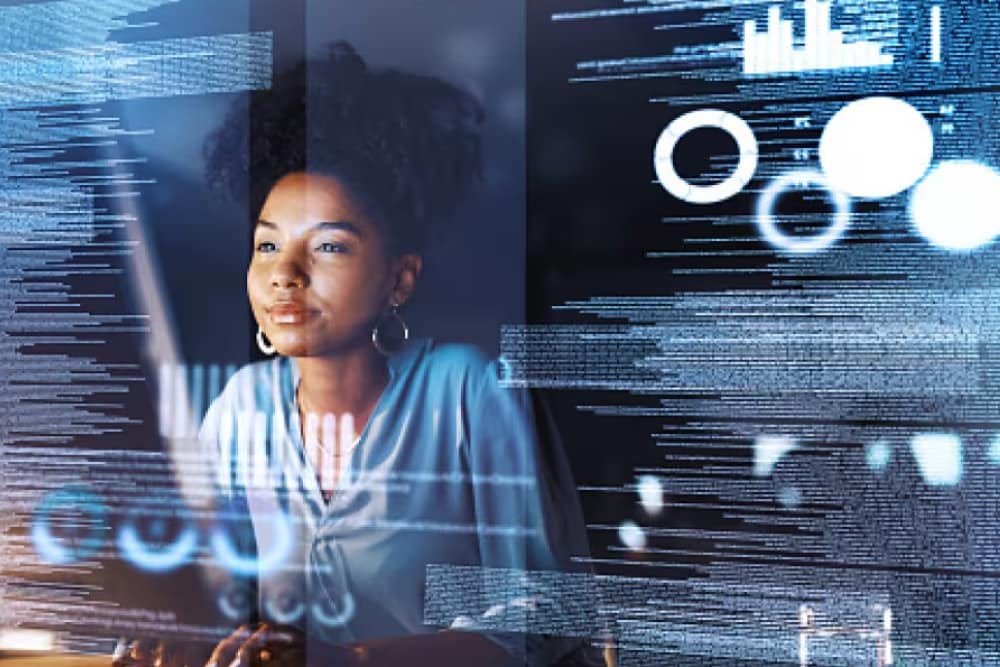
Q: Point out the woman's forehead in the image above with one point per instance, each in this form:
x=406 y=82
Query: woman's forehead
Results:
x=306 y=198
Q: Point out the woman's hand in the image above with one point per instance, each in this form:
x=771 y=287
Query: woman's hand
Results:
x=270 y=645
x=263 y=645
x=159 y=653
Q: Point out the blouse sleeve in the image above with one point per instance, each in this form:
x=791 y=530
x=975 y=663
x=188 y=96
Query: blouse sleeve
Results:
x=539 y=602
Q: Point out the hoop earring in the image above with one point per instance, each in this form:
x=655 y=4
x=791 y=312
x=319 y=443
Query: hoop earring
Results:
x=264 y=344
x=385 y=344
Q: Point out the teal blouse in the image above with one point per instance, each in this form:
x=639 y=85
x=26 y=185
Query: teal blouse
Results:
x=452 y=511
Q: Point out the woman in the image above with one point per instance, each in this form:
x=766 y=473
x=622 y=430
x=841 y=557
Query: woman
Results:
x=402 y=502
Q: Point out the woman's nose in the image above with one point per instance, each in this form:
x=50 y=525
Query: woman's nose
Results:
x=288 y=273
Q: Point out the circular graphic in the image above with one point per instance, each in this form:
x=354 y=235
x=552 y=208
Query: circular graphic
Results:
x=795 y=244
x=650 y=490
x=235 y=602
x=957 y=205
x=734 y=126
x=876 y=147
x=790 y=496
x=245 y=565
x=632 y=536
x=158 y=555
x=337 y=617
x=68 y=525
x=877 y=455
x=284 y=608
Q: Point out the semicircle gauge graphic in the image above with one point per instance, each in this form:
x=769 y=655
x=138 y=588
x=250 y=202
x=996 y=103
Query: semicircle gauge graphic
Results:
x=158 y=554
x=334 y=615
x=230 y=557
x=235 y=602
x=69 y=525
x=284 y=608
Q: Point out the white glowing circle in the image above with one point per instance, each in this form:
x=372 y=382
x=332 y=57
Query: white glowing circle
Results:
x=790 y=496
x=631 y=535
x=994 y=451
x=876 y=147
x=795 y=244
x=957 y=205
x=939 y=458
x=877 y=455
x=731 y=124
x=768 y=450
x=651 y=494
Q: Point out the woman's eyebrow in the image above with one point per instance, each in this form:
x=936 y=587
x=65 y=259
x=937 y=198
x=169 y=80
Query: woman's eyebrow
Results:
x=338 y=225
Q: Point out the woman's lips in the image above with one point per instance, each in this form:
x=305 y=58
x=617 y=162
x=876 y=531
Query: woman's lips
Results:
x=288 y=313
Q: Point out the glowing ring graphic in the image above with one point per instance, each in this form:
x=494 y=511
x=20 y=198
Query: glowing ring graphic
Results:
x=50 y=547
x=731 y=124
x=334 y=620
x=250 y=566
x=230 y=609
x=804 y=245
x=284 y=617
x=164 y=559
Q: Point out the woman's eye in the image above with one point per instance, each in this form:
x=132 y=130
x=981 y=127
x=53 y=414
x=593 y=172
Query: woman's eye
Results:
x=265 y=246
x=331 y=247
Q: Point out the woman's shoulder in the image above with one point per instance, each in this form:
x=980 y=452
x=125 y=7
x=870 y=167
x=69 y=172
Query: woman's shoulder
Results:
x=448 y=372
x=447 y=361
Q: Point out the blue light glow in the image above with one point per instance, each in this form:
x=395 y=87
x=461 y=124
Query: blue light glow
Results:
x=994 y=451
x=957 y=206
x=284 y=608
x=939 y=458
x=59 y=551
x=768 y=450
x=876 y=147
x=249 y=566
x=768 y=226
x=156 y=559
x=731 y=124
x=235 y=603
x=650 y=490
x=790 y=496
x=631 y=535
x=334 y=619
x=877 y=455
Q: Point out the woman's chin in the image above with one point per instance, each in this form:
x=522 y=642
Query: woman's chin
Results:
x=291 y=345
x=299 y=342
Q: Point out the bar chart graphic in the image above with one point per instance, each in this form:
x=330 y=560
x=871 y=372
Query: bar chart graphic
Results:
x=822 y=48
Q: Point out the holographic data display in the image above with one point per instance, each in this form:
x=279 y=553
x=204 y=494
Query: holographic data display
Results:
x=124 y=306
x=762 y=245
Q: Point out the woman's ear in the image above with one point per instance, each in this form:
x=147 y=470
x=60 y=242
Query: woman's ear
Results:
x=406 y=272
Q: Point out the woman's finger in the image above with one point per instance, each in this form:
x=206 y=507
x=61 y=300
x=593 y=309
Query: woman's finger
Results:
x=225 y=651
x=269 y=645
x=176 y=654
x=119 y=657
x=140 y=653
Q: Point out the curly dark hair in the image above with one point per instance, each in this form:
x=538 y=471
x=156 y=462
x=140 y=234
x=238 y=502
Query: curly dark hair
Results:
x=406 y=145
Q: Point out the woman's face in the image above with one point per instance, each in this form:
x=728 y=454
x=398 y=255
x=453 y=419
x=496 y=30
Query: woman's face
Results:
x=321 y=275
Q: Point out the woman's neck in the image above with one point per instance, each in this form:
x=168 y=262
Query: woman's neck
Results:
x=345 y=384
